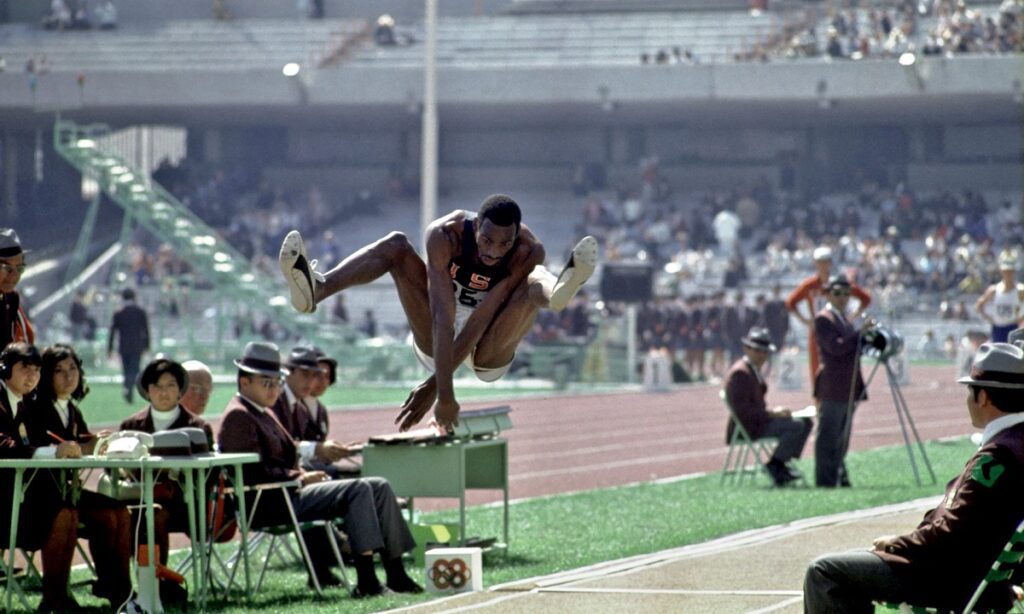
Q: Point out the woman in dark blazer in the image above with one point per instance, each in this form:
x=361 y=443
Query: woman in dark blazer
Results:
x=54 y=416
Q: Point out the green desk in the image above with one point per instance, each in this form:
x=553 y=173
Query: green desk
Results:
x=190 y=466
x=445 y=469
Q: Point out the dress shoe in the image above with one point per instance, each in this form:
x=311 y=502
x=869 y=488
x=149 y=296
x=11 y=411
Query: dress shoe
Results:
x=68 y=604
x=404 y=585
x=363 y=593
x=780 y=474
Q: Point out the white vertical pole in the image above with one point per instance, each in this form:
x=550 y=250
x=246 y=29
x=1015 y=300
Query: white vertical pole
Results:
x=428 y=171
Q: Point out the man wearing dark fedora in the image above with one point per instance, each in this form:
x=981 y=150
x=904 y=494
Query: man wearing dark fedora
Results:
x=372 y=518
x=14 y=322
x=303 y=367
x=745 y=389
x=941 y=562
x=838 y=383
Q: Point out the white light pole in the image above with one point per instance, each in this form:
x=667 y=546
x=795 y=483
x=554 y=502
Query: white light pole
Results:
x=428 y=170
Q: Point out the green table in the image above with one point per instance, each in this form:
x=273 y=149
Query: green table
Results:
x=190 y=466
x=444 y=469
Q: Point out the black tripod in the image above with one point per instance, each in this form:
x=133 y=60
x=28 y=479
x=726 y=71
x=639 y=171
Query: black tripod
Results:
x=903 y=414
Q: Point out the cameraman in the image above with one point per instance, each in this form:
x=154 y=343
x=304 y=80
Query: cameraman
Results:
x=838 y=384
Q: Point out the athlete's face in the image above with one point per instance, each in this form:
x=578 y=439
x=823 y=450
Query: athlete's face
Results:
x=493 y=241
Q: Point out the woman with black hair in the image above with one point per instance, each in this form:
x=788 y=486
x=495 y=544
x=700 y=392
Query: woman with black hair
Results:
x=53 y=416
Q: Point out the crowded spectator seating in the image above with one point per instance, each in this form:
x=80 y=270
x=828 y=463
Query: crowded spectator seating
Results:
x=835 y=30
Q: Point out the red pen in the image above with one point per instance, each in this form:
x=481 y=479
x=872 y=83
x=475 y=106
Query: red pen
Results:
x=55 y=436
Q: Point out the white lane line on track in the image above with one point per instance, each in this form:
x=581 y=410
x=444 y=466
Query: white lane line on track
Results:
x=779 y=606
x=671 y=591
x=628 y=462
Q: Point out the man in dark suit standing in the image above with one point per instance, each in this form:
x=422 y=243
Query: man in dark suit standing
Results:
x=941 y=562
x=838 y=384
x=745 y=390
x=131 y=327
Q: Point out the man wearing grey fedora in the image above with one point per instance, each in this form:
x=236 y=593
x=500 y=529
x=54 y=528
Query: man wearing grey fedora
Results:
x=372 y=518
x=941 y=562
x=745 y=389
x=14 y=322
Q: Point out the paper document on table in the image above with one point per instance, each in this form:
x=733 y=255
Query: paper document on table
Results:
x=810 y=411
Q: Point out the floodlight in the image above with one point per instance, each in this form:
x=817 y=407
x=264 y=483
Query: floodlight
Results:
x=291 y=69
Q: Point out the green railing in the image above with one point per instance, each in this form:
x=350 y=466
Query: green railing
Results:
x=239 y=288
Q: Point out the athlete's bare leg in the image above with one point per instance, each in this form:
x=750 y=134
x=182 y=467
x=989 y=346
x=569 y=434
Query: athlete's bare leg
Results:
x=393 y=255
x=498 y=344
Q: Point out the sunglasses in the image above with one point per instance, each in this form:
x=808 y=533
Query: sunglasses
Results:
x=7 y=269
x=840 y=293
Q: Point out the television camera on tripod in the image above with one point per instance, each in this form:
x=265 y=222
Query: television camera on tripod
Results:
x=883 y=344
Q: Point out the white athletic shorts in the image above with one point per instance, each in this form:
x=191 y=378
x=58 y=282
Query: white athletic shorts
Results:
x=482 y=373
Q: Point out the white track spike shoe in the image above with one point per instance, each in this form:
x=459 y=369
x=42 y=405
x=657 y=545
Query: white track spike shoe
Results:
x=300 y=273
x=575 y=274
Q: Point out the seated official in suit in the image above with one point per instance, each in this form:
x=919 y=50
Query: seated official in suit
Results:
x=162 y=383
x=745 y=390
x=348 y=466
x=316 y=451
x=942 y=562
x=200 y=387
x=46 y=521
x=372 y=518
x=52 y=416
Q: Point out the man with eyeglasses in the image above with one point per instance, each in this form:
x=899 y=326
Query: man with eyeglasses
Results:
x=14 y=322
x=372 y=518
x=316 y=451
x=812 y=293
x=838 y=384
x=200 y=386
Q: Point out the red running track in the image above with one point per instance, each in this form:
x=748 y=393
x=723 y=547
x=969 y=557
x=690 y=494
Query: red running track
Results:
x=563 y=443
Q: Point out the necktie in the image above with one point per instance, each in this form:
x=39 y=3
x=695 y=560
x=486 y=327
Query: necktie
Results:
x=294 y=419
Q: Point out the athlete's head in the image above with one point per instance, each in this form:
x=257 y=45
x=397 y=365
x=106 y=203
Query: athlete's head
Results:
x=496 y=226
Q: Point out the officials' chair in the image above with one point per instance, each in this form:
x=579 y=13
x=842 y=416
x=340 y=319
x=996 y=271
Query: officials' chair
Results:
x=1003 y=568
x=19 y=574
x=742 y=447
x=277 y=538
x=1006 y=569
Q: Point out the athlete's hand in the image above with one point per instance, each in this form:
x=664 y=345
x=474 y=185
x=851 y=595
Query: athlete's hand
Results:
x=446 y=414
x=417 y=404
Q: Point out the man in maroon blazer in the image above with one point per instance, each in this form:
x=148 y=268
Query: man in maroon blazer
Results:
x=745 y=389
x=315 y=450
x=838 y=384
x=941 y=562
x=368 y=507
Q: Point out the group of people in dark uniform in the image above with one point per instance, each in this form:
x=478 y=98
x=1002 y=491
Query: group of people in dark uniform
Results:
x=702 y=326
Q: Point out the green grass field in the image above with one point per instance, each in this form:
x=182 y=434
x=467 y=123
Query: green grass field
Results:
x=556 y=533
